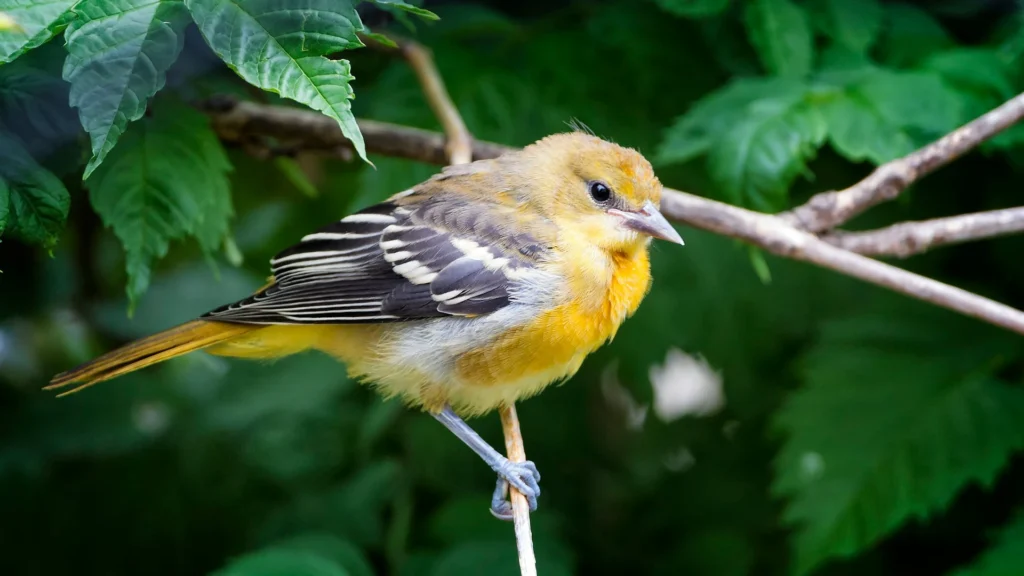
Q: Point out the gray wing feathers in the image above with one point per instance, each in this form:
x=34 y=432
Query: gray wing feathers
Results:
x=392 y=263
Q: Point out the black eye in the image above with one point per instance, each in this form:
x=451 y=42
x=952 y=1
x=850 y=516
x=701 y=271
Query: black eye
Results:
x=600 y=192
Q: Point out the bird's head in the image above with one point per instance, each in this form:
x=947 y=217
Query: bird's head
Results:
x=605 y=193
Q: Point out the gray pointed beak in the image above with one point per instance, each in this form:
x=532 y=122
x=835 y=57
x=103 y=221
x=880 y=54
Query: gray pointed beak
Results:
x=649 y=221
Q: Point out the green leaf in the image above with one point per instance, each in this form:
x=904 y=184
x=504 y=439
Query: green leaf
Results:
x=118 y=56
x=758 y=157
x=693 y=8
x=282 y=561
x=484 y=558
x=164 y=182
x=853 y=24
x=282 y=47
x=5 y=204
x=693 y=133
x=879 y=115
x=857 y=130
x=915 y=100
x=1005 y=557
x=976 y=69
x=760 y=265
x=36 y=22
x=877 y=437
x=34 y=106
x=342 y=552
x=911 y=34
x=38 y=201
x=781 y=33
x=405 y=7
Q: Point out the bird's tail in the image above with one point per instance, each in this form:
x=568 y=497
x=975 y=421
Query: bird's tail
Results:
x=180 y=340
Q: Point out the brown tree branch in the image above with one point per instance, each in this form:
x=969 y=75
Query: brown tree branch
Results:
x=908 y=238
x=827 y=210
x=779 y=237
x=773 y=233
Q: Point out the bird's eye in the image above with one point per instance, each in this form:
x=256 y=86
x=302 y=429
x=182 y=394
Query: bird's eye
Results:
x=600 y=192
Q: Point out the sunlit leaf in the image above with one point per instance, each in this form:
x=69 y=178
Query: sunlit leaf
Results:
x=36 y=22
x=161 y=184
x=981 y=78
x=857 y=130
x=758 y=157
x=38 y=202
x=118 y=54
x=914 y=100
x=282 y=46
x=693 y=133
x=780 y=31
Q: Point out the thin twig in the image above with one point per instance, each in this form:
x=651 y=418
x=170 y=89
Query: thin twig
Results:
x=773 y=233
x=779 y=237
x=460 y=143
x=827 y=210
x=908 y=238
x=520 y=506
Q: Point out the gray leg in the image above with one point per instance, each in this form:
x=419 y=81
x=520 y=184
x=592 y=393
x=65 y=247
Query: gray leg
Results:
x=522 y=475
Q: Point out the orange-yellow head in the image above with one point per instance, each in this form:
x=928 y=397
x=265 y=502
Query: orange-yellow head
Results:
x=604 y=192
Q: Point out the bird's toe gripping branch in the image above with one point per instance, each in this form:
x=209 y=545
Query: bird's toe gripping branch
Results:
x=521 y=475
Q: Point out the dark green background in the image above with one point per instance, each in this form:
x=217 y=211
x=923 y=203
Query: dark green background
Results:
x=863 y=432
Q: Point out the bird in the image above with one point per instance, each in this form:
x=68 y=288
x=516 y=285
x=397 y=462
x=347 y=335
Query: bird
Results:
x=472 y=290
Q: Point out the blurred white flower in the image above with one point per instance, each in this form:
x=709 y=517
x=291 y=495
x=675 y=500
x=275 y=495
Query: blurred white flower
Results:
x=684 y=385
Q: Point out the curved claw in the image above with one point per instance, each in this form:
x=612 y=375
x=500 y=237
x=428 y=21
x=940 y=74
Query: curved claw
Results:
x=524 y=477
x=500 y=507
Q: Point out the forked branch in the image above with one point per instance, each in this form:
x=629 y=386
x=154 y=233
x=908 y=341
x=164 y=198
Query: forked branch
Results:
x=777 y=234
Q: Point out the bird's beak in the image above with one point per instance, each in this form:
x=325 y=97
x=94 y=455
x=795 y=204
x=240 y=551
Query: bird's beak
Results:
x=648 y=220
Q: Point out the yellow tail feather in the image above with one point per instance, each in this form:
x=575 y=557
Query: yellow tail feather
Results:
x=180 y=340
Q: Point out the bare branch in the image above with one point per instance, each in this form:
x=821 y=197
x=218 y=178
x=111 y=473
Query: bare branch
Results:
x=520 y=506
x=460 y=143
x=773 y=233
x=781 y=238
x=241 y=122
x=909 y=238
x=827 y=210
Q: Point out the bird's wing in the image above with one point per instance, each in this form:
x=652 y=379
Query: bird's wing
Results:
x=412 y=257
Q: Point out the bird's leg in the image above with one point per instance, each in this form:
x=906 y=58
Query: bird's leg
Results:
x=523 y=475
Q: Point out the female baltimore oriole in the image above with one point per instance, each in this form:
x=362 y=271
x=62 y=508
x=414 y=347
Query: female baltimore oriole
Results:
x=474 y=289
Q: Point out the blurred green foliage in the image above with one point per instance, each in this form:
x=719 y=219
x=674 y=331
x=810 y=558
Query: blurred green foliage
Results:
x=861 y=433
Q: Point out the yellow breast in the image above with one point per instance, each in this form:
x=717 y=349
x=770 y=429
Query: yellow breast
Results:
x=552 y=347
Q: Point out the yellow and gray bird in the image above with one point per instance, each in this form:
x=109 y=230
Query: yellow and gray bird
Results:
x=472 y=290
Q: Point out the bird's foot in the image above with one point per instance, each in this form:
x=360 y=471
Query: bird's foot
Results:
x=524 y=477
